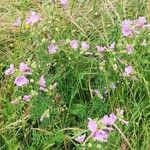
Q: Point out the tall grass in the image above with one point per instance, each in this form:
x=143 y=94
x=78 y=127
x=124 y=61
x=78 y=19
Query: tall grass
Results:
x=76 y=75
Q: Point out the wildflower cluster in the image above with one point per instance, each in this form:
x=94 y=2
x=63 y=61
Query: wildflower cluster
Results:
x=97 y=129
x=131 y=27
x=31 y=19
x=100 y=129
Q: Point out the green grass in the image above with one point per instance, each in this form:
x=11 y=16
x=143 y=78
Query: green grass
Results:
x=95 y=21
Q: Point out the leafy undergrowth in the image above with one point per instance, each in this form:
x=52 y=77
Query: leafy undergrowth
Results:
x=75 y=75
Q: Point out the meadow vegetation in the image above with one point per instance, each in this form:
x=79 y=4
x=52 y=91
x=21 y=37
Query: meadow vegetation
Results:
x=74 y=75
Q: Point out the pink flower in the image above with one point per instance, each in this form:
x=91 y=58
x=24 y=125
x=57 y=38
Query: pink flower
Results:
x=17 y=22
x=127 y=28
x=33 y=18
x=80 y=139
x=64 y=2
x=74 y=44
x=128 y=70
x=42 y=83
x=10 y=70
x=25 y=69
x=21 y=80
x=141 y=21
x=92 y=125
x=101 y=135
x=85 y=45
x=96 y=133
x=100 y=49
x=129 y=49
x=27 y=98
x=109 y=120
x=52 y=48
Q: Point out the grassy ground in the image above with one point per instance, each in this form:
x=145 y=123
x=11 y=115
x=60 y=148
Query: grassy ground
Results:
x=72 y=101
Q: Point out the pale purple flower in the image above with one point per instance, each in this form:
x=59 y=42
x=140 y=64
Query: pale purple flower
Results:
x=17 y=22
x=100 y=49
x=63 y=2
x=33 y=18
x=85 y=45
x=21 y=80
x=129 y=49
x=92 y=125
x=128 y=70
x=27 y=98
x=99 y=130
x=25 y=69
x=127 y=28
x=141 y=21
x=101 y=135
x=112 y=46
x=80 y=139
x=10 y=70
x=42 y=83
x=74 y=44
x=109 y=120
x=52 y=48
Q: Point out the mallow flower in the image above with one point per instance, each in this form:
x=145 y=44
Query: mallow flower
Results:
x=63 y=2
x=42 y=83
x=109 y=120
x=52 y=48
x=85 y=45
x=74 y=44
x=101 y=135
x=21 y=80
x=100 y=49
x=10 y=70
x=140 y=22
x=27 y=98
x=128 y=71
x=127 y=29
x=129 y=49
x=97 y=130
x=80 y=138
x=32 y=18
x=25 y=69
